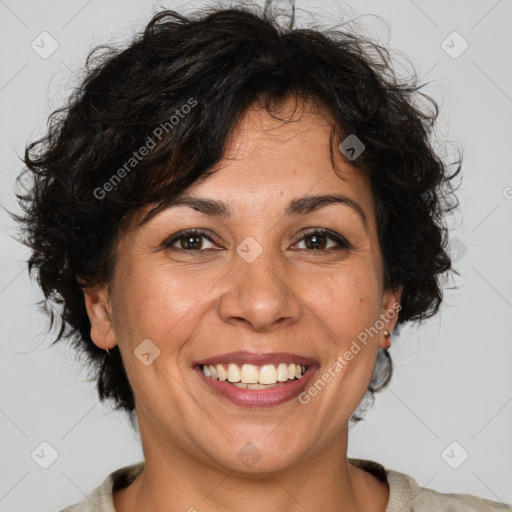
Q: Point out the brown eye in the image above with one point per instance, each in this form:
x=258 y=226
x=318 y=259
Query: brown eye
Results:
x=318 y=240
x=190 y=240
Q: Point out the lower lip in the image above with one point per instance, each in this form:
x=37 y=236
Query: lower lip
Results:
x=258 y=397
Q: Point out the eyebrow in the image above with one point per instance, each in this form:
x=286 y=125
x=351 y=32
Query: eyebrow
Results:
x=298 y=206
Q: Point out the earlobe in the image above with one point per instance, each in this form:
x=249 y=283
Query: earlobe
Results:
x=389 y=315
x=97 y=306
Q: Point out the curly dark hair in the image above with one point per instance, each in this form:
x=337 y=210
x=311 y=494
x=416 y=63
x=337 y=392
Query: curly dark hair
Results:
x=87 y=179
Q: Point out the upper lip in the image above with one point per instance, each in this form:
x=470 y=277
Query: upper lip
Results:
x=256 y=358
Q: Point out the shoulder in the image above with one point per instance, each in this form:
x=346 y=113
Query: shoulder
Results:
x=405 y=492
x=100 y=499
x=406 y=495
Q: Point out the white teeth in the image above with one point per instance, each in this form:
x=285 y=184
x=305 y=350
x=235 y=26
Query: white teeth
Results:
x=268 y=374
x=282 y=372
x=250 y=376
x=223 y=375
x=233 y=373
x=213 y=372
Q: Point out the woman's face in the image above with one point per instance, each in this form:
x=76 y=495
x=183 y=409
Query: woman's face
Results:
x=260 y=281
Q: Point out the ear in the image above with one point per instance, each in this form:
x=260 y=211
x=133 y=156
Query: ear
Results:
x=99 y=313
x=389 y=314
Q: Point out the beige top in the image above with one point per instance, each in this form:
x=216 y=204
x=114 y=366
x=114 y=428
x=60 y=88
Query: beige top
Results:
x=405 y=494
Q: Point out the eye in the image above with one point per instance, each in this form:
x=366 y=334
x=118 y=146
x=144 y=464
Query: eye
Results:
x=189 y=240
x=317 y=240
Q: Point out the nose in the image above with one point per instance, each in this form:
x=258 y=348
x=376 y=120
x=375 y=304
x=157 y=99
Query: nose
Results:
x=260 y=295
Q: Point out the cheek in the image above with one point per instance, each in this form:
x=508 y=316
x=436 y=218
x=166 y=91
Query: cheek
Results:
x=350 y=308
x=348 y=302
x=161 y=304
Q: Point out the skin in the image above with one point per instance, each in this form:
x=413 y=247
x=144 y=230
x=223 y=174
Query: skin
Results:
x=292 y=298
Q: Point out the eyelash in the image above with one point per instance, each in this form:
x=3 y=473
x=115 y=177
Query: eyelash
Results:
x=342 y=242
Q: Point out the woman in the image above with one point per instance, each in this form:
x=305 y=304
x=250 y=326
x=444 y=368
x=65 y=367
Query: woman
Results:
x=235 y=217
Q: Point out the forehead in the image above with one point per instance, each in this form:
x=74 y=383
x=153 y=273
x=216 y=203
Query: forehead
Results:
x=268 y=161
x=272 y=162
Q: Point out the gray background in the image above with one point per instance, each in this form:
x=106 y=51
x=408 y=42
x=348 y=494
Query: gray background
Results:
x=452 y=380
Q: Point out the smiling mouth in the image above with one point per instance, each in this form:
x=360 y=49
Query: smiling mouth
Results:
x=249 y=376
x=256 y=380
